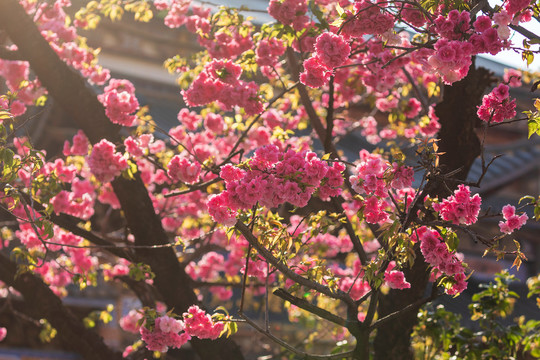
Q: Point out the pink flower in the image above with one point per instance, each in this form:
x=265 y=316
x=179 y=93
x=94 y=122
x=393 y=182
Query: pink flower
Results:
x=120 y=102
x=357 y=288
x=396 y=280
x=460 y=208
x=512 y=77
x=268 y=51
x=513 y=222
x=496 y=106
x=79 y=147
x=181 y=169
x=3 y=333
x=129 y=322
x=436 y=253
x=201 y=325
x=17 y=108
x=332 y=50
x=214 y=123
x=315 y=74
x=168 y=324
x=368 y=19
x=413 y=108
x=413 y=15
x=220 y=209
x=501 y=92
x=105 y=163
x=231 y=173
x=220 y=81
x=289 y=12
x=515 y=6
x=482 y=23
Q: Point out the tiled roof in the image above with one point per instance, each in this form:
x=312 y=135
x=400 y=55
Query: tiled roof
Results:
x=517 y=160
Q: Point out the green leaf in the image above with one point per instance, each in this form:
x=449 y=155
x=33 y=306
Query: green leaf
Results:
x=527 y=197
x=534 y=126
x=7 y=157
x=5 y=115
x=338 y=22
x=339 y=10
x=452 y=241
x=234 y=327
x=528 y=56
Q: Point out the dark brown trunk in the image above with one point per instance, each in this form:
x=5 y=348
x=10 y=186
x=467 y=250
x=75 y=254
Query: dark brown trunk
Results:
x=460 y=146
x=44 y=304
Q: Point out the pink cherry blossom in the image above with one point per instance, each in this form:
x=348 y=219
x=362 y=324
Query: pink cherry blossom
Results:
x=332 y=49
x=105 y=163
x=460 y=208
x=512 y=221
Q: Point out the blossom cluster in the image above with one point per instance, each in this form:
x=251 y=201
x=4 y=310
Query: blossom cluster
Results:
x=274 y=177
x=16 y=74
x=136 y=146
x=315 y=73
x=368 y=18
x=515 y=6
x=120 y=102
x=331 y=51
x=79 y=147
x=165 y=334
x=497 y=106
x=459 y=41
x=220 y=81
x=453 y=26
x=170 y=332
x=54 y=25
x=181 y=169
x=105 y=163
x=413 y=15
x=176 y=11
x=488 y=39
x=512 y=221
x=395 y=279
x=461 y=207
x=512 y=77
x=452 y=59
x=352 y=281
x=437 y=254
x=374 y=177
x=226 y=43
x=78 y=202
x=289 y=12
x=73 y=259
x=268 y=51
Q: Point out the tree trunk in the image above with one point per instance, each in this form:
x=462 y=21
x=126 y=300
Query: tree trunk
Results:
x=45 y=304
x=460 y=146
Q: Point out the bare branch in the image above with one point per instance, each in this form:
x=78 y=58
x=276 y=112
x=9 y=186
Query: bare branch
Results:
x=306 y=305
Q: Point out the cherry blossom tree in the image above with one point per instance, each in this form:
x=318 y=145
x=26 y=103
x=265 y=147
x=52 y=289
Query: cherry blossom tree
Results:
x=237 y=199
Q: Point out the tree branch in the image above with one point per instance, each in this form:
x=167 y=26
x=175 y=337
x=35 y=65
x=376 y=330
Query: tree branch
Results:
x=306 y=305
